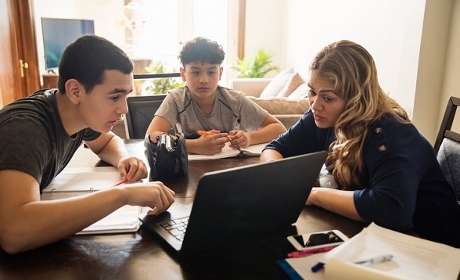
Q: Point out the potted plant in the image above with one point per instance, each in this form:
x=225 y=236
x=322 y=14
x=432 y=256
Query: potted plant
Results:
x=255 y=67
x=159 y=86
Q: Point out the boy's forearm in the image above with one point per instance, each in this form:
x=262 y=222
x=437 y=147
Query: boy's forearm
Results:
x=266 y=133
x=52 y=220
x=113 y=151
x=192 y=146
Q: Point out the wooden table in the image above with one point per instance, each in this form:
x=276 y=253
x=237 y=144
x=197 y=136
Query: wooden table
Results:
x=142 y=256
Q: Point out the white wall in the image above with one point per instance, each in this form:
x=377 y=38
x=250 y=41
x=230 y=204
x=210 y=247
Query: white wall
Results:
x=266 y=28
x=451 y=82
x=415 y=43
x=432 y=67
x=389 y=29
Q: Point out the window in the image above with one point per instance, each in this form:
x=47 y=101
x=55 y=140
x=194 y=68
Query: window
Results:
x=167 y=24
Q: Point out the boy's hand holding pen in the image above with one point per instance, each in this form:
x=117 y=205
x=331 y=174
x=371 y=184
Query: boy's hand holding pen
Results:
x=208 y=133
x=213 y=133
x=211 y=142
x=238 y=138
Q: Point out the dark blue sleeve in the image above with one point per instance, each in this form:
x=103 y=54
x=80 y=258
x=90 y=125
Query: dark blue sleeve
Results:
x=396 y=158
x=302 y=138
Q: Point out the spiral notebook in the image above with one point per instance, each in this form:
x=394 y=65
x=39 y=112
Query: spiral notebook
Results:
x=81 y=180
x=123 y=220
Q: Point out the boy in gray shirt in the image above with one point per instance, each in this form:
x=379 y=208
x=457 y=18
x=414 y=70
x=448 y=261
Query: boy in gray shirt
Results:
x=202 y=105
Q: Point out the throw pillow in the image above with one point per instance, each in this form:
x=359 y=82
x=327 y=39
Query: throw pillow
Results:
x=294 y=82
x=300 y=92
x=277 y=83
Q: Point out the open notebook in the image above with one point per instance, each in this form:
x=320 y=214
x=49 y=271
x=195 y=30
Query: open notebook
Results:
x=227 y=152
x=81 y=180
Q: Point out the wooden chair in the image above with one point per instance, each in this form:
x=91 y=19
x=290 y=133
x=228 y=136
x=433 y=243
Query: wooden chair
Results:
x=141 y=110
x=447 y=147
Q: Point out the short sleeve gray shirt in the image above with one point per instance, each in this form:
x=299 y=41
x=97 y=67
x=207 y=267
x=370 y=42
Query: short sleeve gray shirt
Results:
x=230 y=107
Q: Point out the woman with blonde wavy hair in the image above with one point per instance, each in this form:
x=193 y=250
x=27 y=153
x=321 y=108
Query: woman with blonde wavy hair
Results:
x=385 y=171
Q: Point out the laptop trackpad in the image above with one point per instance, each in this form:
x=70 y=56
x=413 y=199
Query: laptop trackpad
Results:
x=180 y=210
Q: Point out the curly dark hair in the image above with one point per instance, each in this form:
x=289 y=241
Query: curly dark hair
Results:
x=203 y=50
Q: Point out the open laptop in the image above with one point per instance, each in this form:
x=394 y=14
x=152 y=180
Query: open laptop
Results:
x=239 y=203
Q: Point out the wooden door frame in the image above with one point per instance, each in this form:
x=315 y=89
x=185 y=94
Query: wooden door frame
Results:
x=241 y=27
x=29 y=45
x=18 y=34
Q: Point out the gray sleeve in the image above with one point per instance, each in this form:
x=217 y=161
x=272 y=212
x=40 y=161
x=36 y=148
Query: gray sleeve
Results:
x=251 y=114
x=168 y=110
x=25 y=146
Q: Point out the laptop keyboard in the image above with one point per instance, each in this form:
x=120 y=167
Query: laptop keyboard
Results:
x=176 y=227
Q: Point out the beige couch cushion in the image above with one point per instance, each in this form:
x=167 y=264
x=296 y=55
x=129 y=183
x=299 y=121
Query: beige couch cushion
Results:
x=250 y=86
x=282 y=105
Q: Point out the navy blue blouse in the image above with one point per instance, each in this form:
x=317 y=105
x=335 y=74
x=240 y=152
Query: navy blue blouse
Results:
x=403 y=187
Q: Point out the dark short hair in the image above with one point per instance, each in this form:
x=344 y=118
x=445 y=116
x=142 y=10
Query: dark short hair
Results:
x=87 y=58
x=202 y=50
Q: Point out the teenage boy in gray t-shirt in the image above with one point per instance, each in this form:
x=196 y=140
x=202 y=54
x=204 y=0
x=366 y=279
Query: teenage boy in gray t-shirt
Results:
x=202 y=105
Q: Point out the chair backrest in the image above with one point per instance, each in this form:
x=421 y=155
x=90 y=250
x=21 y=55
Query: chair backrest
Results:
x=141 y=110
x=447 y=146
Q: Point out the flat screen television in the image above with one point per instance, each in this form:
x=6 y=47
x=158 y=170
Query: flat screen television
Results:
x=59 y=33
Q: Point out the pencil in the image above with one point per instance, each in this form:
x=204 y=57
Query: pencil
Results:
x=121 y=182
x=202 y=132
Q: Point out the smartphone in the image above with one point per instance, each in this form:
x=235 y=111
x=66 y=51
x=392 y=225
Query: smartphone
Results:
x=317 y=239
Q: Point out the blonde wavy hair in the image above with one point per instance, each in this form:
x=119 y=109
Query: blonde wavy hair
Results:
x=352 y=71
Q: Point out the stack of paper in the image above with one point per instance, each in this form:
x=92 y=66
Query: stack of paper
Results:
x=413 y=258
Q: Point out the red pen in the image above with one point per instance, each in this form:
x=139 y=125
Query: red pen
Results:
x=308 y=252
x=121 y=182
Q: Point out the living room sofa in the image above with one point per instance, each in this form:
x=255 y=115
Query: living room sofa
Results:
x=283 y=96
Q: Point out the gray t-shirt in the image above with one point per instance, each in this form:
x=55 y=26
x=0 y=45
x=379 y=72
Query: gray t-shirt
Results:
x=33 y=139
x=230 y=107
